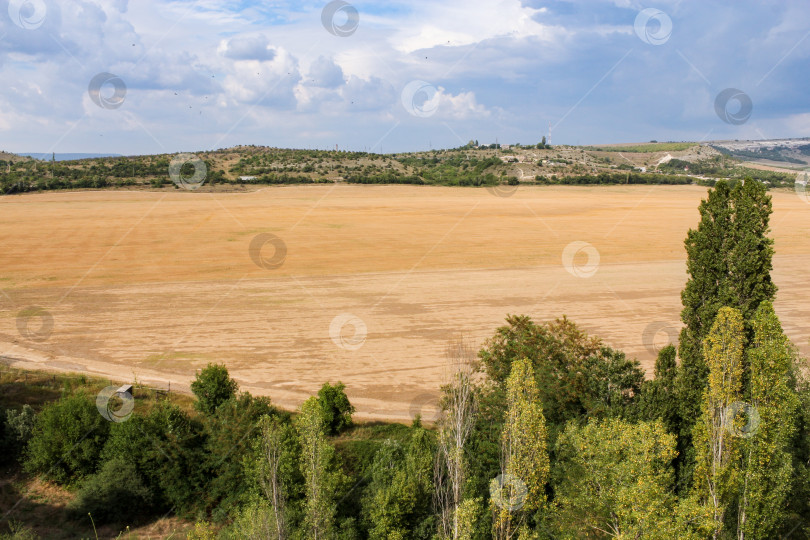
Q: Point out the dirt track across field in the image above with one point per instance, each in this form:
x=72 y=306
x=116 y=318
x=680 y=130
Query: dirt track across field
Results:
x=366 y=284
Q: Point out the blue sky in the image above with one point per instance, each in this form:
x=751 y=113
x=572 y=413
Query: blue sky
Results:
x=396 y=76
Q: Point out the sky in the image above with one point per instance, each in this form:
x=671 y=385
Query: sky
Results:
x=157 y=76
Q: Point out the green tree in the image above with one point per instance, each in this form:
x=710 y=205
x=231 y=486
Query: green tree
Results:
x=177 y=457
x=397 y=500
x=729 y=259
x=524 y=455
x=576 y=374
x=336 y=407
x=67 y=439
x=717 y=448
x=274 y=467
x=213 y=386
x=659 y=399
x=614 y=479
x=467 y=515
x=322 y=475
x=799 y=499
x=771 y=426
x=229 y=436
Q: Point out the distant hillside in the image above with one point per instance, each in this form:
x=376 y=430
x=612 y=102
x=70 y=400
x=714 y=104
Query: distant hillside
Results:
x=8 y=156
x=789 y=153
x=66 y=157
x=241 y=167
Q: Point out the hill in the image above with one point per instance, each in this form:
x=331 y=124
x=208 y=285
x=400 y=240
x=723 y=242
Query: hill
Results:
x=489 y=166
x=47 y=156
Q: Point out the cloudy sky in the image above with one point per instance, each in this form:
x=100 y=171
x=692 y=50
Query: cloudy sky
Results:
x=153 y=76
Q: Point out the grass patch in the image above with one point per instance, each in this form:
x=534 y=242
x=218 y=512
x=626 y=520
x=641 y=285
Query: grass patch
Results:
x=37 y=388
x=358 y=445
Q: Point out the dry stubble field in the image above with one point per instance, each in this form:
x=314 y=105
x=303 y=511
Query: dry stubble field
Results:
x=154 y=285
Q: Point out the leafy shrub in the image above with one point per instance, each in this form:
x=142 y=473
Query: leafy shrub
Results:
x=336 y=407
x=253 y=521
x=212 y=386
x=116 y=494
x=164 y=447
x=17 y=429
x=67 y=439
x=20 y=424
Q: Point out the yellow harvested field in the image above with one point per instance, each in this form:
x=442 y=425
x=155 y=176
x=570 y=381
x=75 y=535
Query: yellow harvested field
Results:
x=154 y=285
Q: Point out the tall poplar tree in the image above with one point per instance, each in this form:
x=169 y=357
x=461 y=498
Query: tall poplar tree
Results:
x=455 y=427
x=717 y=448
x=729 y=259
x=322 y=477
x=771 y=426
x=524 y=456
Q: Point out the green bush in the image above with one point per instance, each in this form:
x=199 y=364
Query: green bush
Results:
x=212 y=386
x=253 y=521
x=397 y=501
x=337 y=409
x=116 y=494
x=67 y=439
x=162 y=446
x=16 y=432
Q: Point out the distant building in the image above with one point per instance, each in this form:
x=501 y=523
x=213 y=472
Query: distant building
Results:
x=247 y=178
